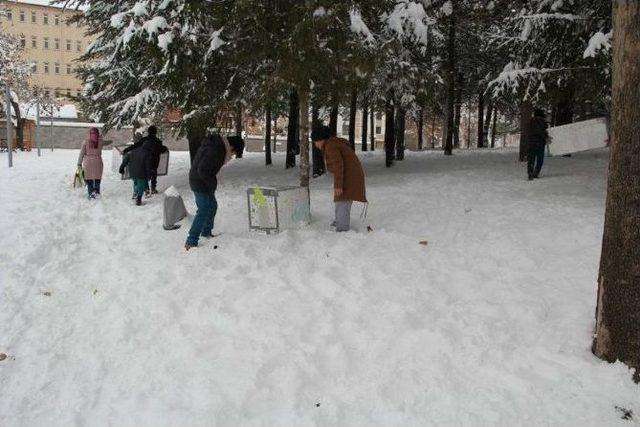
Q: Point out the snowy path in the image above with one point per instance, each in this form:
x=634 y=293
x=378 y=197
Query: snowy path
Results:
x=490 y=324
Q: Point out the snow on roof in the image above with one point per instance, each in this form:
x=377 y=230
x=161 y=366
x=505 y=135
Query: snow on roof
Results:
x=36 y=3
x=67 y=111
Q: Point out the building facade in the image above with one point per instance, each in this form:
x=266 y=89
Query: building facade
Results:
x=49 y=43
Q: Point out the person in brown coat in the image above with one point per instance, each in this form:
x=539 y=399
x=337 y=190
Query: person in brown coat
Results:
x=348 y=176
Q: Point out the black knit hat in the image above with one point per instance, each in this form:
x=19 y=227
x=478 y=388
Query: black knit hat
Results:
x=539 y=113
x=320 y=133
x=152 y=130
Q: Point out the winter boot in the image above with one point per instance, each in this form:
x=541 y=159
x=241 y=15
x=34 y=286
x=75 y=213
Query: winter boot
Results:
x=138 y=200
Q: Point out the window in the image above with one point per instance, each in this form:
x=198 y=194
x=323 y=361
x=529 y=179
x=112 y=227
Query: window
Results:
x=68 y=93
x=46 y=42
x=56 y=20
x=46 y=93
x=46 y=68
x=22 y=16
x=34 y=67
x=9 y=15
x=45 y=19
x=378 y=130
x=56 y=43
x=68 y=69
x=68 y=44
x=23 y=41
x=57 y=68
x=78 y=93
x=345 y=128
x=34 y=42
x=33 y=17
x=79 y=46
x=57 y=93
x=378 y=116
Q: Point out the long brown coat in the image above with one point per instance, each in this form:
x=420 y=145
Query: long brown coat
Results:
x=347 y=171
x=91 y=159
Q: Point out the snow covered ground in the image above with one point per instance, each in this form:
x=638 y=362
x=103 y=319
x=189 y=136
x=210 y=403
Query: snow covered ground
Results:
x=107 y=321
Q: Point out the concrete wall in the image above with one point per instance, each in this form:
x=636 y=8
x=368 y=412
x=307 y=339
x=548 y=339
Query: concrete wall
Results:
x=72 y=137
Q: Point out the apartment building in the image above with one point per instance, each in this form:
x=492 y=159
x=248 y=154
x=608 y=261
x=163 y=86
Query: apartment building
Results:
x=50 y=43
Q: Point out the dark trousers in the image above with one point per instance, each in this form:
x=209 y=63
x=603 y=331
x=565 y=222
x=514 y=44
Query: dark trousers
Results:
x=93 y=186
x=154 y=178
x=535 y=161
x=203 y=222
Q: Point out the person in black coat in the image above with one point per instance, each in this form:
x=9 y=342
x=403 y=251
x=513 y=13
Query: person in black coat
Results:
x=155 y=147
x=538 y=139
x=210 y=157
x=139 y=161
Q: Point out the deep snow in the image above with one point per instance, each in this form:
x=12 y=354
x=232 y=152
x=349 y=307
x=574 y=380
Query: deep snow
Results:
x=490 y=324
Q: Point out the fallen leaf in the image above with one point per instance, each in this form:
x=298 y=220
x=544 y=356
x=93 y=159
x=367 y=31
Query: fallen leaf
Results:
x=2 y=356
x=423 y=242
x=369 y=229
x=46 y=293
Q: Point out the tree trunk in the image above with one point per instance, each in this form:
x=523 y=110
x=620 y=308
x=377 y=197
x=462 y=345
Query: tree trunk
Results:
x=267 y=137
x=195 y=135
x=317 y=160
x=450 y=80
x=526 y=111
x=274 y=132
x=457 y=113
x=420 y=129
x=487 y=123
x=239 y=120
x=469 y=126
x=400 y=124
x=365 y=121
x=493 y=128
x=389 y=132
x=373 y=129
x=353 y=108
x=304 y=136
x=333 y=118
x=617 y=334
x=292 y=130
x=480 y=143
x=433 y=132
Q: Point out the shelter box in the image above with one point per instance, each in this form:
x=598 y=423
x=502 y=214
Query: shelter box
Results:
x=116 y=161
x=278 y=208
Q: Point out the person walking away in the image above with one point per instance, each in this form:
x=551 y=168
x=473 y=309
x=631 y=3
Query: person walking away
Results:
x=212 y=154
x=538 y=139
x=137 y=142
x=90 y=160
x=155 y=148
x=348 y=177
x=139 y=162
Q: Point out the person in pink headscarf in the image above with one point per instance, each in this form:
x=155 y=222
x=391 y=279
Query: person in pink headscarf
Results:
x=91 y=161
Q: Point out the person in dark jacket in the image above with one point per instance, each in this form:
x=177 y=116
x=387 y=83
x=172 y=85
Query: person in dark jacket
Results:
x=210 y=157
x=538 y=139
x=139 y=161
x=138 y=140
x=155 y=147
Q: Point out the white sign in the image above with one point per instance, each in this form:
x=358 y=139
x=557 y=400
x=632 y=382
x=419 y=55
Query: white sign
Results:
x=580 y=136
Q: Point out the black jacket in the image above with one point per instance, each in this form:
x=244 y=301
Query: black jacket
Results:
x=139 y=161
x=537 y=133
x=155 y=147
x=206 y=165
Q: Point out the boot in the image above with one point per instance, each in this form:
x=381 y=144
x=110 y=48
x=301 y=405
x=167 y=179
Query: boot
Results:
x=138 y=200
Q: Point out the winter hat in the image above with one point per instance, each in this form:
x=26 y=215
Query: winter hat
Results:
x=320 y=133
x=539 y=113
x=152 y=130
